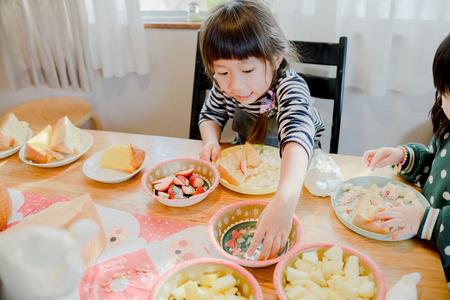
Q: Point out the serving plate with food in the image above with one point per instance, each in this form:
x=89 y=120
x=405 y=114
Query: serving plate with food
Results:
x=250 y=169
x=115 y=164
x=57 y=145
x=359 y=199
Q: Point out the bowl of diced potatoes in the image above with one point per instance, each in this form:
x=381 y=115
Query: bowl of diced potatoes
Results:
x=231 y=231
x=207 y=278
x=328 y=271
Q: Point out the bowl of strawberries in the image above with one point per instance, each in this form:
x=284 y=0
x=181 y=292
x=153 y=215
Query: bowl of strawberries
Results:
x=180 y=182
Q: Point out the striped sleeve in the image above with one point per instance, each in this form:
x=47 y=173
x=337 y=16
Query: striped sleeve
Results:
x=435 y=226
x=214 y=108
x=298 y=121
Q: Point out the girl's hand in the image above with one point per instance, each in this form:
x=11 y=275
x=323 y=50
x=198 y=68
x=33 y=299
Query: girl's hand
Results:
x=403 y=220
x=272 y=229
x=382 y=157
x=210 y=151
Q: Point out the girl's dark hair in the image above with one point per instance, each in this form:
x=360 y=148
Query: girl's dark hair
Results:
x=441 y=78
x=239 y=29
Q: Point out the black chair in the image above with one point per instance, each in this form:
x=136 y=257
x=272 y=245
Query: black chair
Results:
x=315 y=53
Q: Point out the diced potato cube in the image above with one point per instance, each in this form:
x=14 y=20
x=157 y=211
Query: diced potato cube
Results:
x=295 y=292
x=218 y=297
x=334 y=296
x=303 y=265
x=193 y=292
x=316 y=275
x=332 y=282
x=331 y=267
x=366 y=289
x=231 y=291
x=223 y=283
x=206 y=279
x=351 y=268
x=311 y=257
x=295 y=275
x=346 y=289
x=306 y=283
x=334 y=253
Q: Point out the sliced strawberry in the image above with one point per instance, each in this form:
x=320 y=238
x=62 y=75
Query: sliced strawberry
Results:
x=185 y=173
x=164 y=183
x=183 y=179
x=175 y=192
x=187 y=189
x=199 y=190
x=196 y=181
x=163 y=195
x=177 y=181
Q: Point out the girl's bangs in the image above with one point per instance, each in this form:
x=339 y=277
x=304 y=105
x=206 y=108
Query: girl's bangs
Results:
x=224 y=43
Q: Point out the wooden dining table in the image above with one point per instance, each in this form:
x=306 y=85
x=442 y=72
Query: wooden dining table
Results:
x=316 y=214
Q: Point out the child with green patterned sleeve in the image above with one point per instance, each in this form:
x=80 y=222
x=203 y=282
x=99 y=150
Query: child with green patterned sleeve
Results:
x=428 y=167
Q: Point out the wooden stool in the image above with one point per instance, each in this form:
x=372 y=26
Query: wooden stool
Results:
x=46 y=111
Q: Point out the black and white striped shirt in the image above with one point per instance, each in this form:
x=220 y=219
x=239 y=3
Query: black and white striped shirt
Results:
x=298 y=120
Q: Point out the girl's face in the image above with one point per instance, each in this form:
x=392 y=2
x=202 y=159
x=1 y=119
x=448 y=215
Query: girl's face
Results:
x=244 y=80
x=446 y=104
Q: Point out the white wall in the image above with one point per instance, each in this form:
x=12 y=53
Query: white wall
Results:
x=160 y=103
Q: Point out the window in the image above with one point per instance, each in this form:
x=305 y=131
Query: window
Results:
x=177 y=5
x=167 y=11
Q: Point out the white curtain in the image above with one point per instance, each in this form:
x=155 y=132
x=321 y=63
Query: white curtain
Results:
x=116 y=37
x=44 y=42
x=391 y=43
x=60 y=43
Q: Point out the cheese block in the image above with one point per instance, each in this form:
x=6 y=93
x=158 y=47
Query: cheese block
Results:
x=5 y=206
x=363 y=217
x=36 y=148
x=12 y=132
x=66 y=137
x=63 y=215
x=125 y=158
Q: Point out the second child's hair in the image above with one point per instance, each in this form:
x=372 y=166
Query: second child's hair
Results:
x=240 y=29
x=441 y=78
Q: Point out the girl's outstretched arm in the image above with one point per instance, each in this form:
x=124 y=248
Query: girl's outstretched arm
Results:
x=275 y=222
x=210 y=132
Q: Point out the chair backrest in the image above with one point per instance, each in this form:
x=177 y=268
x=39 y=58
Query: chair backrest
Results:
x=315 y=53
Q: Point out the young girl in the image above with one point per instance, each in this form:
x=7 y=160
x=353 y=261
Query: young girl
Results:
x=246 y=56
x=426 y=166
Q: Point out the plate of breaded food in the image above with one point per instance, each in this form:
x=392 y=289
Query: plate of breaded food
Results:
x=115 y=164
x=250 y=169
x=358 y=200
x=57 y=145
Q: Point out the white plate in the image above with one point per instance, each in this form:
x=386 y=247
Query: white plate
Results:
x=86 y=143
x=93 y=170
x=9 y=152
x=367 y=181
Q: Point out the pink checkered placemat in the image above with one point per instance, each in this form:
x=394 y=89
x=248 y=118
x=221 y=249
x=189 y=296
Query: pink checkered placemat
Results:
x=138 y=250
